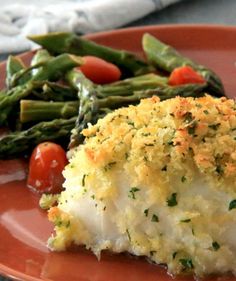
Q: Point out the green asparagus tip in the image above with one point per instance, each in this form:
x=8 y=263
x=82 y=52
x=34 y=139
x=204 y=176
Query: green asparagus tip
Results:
x=55 y=42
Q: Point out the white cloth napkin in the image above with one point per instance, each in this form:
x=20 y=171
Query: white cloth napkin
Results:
x=24 y=17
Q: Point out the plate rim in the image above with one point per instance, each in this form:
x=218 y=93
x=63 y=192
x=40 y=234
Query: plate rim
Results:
x=162 y=26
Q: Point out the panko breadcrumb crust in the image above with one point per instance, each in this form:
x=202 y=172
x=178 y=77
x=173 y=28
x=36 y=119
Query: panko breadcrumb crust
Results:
x=161 y=146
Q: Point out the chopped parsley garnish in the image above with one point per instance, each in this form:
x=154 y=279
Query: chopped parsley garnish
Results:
x=215 y=246
x=83 y=179
x=146 y=134
x=155 y=218
x=105 y=139
x=232 y=204
x=109 y=166
x=214 y=126
x=132 y=192
x=183 y=179
x=206 y=112
x=191 y=129
x=164 y=168
x=152 y=253
x=149 y=144
x=219 y=170
x=127 y=231
x=186 y=220
x=188 y=117
x=170 y=142
x=145 y=158
x=146 y=212
x=131 y=123
x=174 y=255
x=93 y=196
x=186 y=263
x=171 y=201
x=60 y=223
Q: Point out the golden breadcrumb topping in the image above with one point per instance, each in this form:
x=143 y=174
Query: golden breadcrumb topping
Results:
x=184 y=132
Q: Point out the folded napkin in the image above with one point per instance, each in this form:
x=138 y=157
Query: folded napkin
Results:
x=23 y=17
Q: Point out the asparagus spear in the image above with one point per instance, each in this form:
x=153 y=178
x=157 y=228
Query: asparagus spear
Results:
x=8 y=102
x=122 y=87
x=15 y=65
x=167 y=58
x=188 y=90
x=58 y=43
x=51 y=91
x=21 y=142
x=54 y=68
x=93 y=99
x=163 y=92
x=51 y=70
x=41 y=57
x=31 y=110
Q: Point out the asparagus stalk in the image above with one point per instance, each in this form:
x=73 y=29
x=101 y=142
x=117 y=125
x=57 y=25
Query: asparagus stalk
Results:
x=128 y=86
x=188 y=90
x=93 y=98
x=51 y=91
x=9 y=101
x=41 y=57
x=21 y=142
x=15 y=65
x=56 y=67
x=51 y=70
x=64 y=42
x=31 y=110
x=163 y=92
x=167 y=58
x=120 y=88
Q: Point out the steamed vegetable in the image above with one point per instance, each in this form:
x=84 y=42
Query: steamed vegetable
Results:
x=82 y=83
x=47 y=162
x=166 y=58
x=100 y=71
x=21 y=142
x=92 y=98
x=58 y=43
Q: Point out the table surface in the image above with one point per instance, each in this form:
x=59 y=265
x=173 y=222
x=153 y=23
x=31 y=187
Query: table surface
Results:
x=189 y=12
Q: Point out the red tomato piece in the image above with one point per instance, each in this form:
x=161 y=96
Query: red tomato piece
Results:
x=185 y=75
x=45 y=170
x=100 y=71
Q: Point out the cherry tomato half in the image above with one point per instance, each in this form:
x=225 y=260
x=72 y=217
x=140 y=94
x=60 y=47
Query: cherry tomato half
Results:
x=100 y=71
x=185 y=75
x=45 y=170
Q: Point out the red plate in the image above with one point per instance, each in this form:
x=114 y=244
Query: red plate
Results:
x=24 y=228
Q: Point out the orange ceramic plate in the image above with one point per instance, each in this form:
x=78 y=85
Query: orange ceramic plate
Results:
x=24 y=228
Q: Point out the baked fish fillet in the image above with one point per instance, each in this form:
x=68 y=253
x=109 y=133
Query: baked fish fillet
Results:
x=156 y=180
